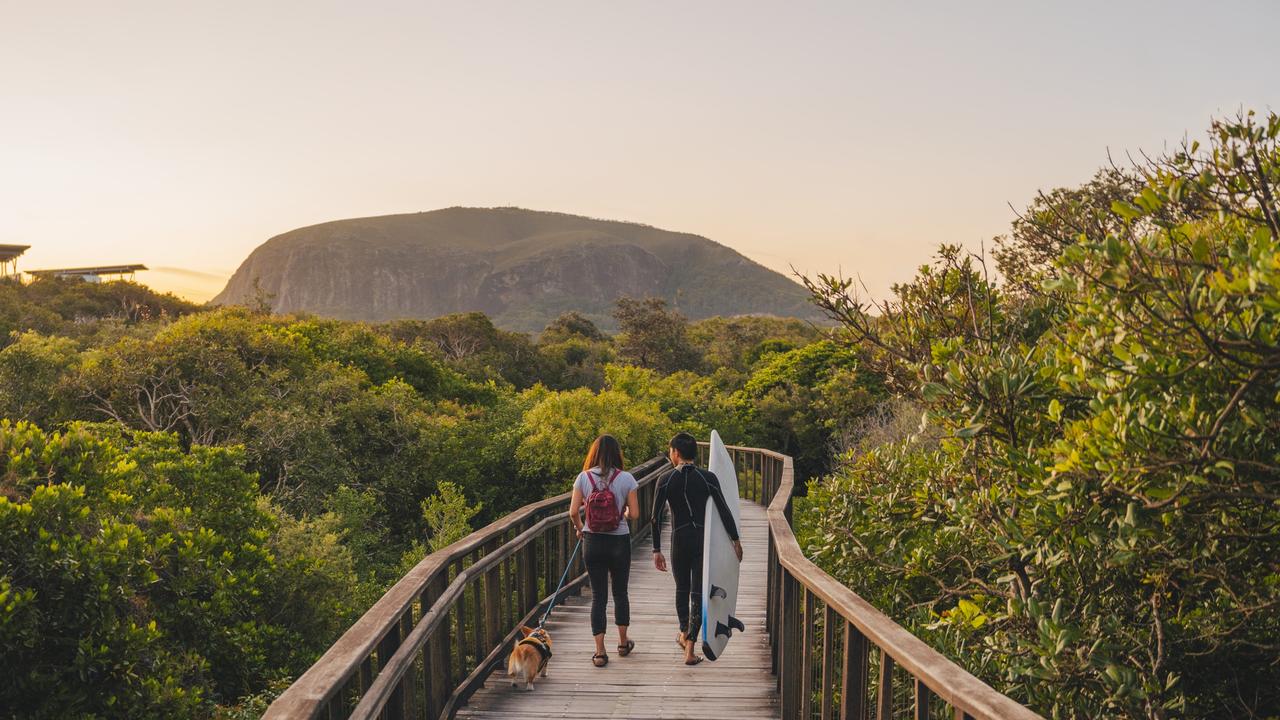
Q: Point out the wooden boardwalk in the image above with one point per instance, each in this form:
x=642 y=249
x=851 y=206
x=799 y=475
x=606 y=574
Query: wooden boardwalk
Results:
x=652 y=682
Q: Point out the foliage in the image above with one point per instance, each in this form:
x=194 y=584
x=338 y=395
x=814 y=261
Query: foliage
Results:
x=739 y=342
x=653 y=336
x=140 y=580
x=448 y=514
x=560 y=427
x=1096 y=531
x=66 y=307
x=471 y=344
x=32 y=369
x=800 y=401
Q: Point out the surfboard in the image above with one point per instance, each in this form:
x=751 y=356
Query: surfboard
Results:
x=719 y=562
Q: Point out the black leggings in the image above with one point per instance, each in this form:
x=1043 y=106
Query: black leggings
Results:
x=605 y=556
x=686 y=565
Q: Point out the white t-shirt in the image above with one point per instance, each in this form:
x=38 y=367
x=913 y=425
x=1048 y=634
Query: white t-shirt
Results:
x=622 y=486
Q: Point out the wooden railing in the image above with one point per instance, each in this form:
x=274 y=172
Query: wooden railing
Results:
x=434 y=637
x=836 y=656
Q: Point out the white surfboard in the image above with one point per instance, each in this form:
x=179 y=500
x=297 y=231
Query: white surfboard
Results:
x=719 y=562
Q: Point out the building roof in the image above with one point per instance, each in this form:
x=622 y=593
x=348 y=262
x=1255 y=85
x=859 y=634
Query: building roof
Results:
x=95 y=270
x=11 y=252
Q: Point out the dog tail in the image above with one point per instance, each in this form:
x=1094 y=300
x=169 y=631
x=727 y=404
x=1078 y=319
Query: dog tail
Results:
x=513 y=665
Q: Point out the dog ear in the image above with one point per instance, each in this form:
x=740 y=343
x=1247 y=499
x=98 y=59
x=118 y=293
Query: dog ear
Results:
x=525 y=630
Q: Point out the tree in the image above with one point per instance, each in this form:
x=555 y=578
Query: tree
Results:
x=654 y=337
x=142 y=580
x=1096 y=530
x=33 y=369
x=448 y=515
x=572 y=324
x=560 y=426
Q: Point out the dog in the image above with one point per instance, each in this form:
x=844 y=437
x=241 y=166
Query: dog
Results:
x=529 y=657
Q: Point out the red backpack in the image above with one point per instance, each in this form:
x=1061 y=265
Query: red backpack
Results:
x=603 y=514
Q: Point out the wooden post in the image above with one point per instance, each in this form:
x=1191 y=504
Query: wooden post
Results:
x=884 y=691
x=478 y=629
x=492 y=624
x=390 y=643
x=828 y=662
x=853 y=687
x=806 y=655
x=922 y=700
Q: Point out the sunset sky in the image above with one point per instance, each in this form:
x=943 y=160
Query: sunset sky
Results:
x=833 y=136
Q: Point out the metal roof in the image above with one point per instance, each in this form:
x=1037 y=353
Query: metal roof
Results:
x=11 y=252
x=97 y=270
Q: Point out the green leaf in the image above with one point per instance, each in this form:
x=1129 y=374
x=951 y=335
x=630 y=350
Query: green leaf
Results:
x=1126 y=210
x=970 y=430
x=1200 y=250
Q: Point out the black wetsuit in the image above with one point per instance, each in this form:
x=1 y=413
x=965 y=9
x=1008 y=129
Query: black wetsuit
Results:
x=686 y=490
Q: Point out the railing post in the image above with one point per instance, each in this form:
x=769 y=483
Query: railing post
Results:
x=478 y=629
x=404 y=690
x=387 y=648
x=772 y=606
x=784 y=641
x=492 y=620
x=922 y=700
x=884 y=691
x=853 y=686
x=806 y=654
x=828 y=661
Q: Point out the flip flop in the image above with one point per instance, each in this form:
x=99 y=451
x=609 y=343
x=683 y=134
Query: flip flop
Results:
x=625 y=650
x=696 y=659
x=600 y=660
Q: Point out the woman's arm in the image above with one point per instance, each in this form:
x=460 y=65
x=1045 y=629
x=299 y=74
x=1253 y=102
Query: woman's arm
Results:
x=575 y=510
x=633 y=505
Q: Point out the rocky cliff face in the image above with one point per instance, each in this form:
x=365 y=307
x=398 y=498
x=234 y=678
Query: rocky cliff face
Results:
x=521 y=267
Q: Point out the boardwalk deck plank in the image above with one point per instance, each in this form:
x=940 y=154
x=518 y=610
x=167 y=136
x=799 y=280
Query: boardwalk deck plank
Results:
x=651 y=683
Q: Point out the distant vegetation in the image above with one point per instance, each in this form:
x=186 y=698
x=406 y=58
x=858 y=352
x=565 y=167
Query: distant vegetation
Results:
x=195 y=503
x=1062 y=470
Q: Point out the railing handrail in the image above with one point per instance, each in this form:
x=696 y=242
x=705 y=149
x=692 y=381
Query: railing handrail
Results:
x=944 y=678
x=389 y=629
x=389 y=675
x=309 y=695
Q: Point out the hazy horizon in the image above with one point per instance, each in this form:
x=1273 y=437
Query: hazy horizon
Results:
x=823 y=136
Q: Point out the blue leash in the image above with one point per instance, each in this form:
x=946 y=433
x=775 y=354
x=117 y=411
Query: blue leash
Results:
x=563 y=577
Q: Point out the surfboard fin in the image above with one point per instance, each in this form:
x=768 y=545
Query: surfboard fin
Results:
x=718 y=592
x=736 y=624
x=708 y=652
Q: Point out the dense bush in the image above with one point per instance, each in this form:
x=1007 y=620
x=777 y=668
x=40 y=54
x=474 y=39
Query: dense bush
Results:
x=1096 y=534
x=142 y=580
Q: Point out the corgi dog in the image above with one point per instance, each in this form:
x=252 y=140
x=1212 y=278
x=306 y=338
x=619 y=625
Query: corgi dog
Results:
x=529 y=657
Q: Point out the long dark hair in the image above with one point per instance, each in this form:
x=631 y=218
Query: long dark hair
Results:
x=606 y=454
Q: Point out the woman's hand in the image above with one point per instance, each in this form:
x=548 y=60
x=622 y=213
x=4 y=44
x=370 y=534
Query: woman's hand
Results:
x=659 y=562
x=578 y=532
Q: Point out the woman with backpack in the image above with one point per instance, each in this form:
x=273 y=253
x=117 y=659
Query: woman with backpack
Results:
x=608 y=493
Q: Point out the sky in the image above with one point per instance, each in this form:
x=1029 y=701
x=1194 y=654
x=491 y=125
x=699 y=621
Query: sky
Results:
x=839 y=137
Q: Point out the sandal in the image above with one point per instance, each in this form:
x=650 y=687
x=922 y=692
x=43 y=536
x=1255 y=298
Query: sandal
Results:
x=600 y=660
x=696 y=659
x=625 y=650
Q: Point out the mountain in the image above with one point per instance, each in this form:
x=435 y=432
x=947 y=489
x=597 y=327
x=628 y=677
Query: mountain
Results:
x=520 y=267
